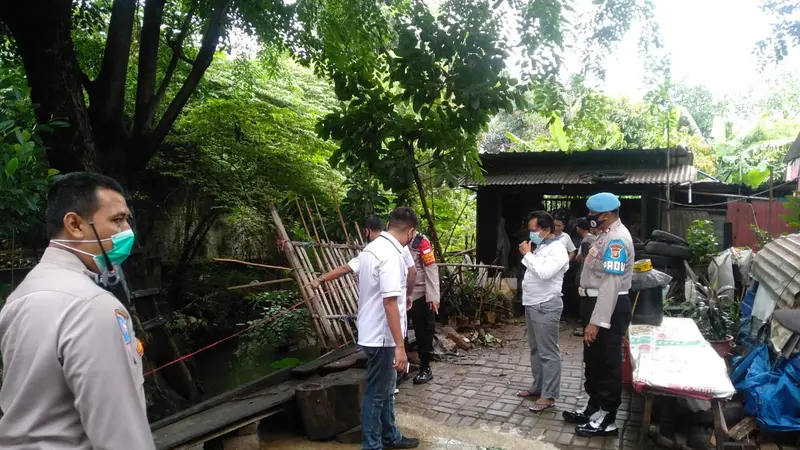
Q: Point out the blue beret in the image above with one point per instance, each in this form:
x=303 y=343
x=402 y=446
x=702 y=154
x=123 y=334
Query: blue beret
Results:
x=603 y=202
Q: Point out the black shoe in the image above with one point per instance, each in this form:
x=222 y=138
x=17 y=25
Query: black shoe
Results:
x=423 y=376
x=579 y=416
x=602 y=424
x=404 y=442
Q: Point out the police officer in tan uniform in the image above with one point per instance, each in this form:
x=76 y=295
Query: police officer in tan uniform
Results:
x=425 y=306
x=605 y=279
x=72 y=375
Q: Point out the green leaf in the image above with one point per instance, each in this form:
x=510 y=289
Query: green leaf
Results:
x=508 y=106
x=757 y=176
x=58 y=124
x=11 y=167
x=558 y=134
x=6 y=125
x=52 y=172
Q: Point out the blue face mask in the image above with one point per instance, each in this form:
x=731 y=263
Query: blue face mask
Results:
x=535 y=238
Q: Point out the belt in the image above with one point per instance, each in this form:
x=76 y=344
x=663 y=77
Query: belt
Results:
x=594 y=292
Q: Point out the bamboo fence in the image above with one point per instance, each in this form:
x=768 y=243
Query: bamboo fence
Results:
x=334 y=305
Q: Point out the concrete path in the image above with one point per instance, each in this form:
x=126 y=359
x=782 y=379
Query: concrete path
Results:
x=478 y=391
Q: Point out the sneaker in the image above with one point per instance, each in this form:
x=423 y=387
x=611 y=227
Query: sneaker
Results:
x=423 y=376
x=396 y=391
x=404 y=442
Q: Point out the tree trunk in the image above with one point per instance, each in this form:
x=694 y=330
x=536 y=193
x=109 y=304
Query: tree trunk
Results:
x=56 y=80
x=437 y=248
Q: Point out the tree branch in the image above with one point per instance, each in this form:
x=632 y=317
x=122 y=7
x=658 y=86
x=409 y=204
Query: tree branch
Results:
x=109 y=87
x=204 y=57
x=177 y=55
x=148 y=64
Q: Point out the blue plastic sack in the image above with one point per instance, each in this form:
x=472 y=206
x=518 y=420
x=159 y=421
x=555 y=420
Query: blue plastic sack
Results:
x=771 y=394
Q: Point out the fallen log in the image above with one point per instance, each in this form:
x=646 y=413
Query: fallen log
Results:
x=461 y=341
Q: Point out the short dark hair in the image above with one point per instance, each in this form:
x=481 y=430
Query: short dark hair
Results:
x=75 y=192
x=583 y=224
x=373 y=222
x=543 y=219
x=403 y=218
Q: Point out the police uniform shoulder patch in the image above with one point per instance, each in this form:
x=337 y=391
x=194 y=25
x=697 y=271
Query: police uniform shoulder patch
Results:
x=615 y=258
x=426 y=253
x=122 y=320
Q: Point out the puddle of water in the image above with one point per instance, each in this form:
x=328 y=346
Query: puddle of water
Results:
x=434 y=436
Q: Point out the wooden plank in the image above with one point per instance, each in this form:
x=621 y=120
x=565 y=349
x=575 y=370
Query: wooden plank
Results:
x=274 y=378
x=153 y=323
x=742 y=429
x=229 y=429
x=312 y=367
x=356 y=360
x=222 y=418
x=259 y=283
x=145 y=293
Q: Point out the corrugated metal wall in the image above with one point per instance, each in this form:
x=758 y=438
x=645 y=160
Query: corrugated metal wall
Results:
x=777 y=267
x=743 y=214
x=681 y=219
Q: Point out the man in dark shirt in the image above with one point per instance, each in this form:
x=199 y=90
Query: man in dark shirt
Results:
x=584 y=230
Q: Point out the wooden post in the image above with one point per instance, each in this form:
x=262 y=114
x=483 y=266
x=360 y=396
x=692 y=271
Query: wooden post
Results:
x=771 y=192
x=323 y=328
x=648 y=412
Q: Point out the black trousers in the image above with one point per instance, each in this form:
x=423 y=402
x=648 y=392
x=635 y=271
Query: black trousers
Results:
x=603 y=358
x=423 y=321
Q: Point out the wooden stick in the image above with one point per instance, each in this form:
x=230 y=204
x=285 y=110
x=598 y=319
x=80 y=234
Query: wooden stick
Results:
x=266 y=266
x=341 y=218
x=360 y=237
x=261 y=283
x=471 y=266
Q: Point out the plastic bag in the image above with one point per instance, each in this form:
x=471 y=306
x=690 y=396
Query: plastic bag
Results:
x=743 y=261
x=650 y=279
x=720 y=272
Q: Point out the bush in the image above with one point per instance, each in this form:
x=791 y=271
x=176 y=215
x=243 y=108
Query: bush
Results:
x=289 y=327
x=702 y=239
x=24 y=175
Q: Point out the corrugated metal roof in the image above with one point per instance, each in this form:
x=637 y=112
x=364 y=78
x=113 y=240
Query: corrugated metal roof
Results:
x=777 y=268
x=583 y=175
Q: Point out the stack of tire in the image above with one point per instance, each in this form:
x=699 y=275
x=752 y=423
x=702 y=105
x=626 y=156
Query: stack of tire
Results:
x=667 y=252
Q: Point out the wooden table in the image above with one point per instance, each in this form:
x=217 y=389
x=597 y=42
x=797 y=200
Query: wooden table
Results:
x=674 y=360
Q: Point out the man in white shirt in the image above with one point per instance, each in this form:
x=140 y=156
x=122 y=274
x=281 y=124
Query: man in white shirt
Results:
x=373 y=227
x=565 y=238
x=541 y=297
x=382 y=324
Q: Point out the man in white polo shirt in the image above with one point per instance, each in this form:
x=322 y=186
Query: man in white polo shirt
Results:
x=373 y=227
x=381 y=328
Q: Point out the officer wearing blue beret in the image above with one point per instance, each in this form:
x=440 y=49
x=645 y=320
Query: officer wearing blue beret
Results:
x=606 y=312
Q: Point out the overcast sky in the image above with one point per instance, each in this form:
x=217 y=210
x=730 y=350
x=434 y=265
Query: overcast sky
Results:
x=710 y=42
